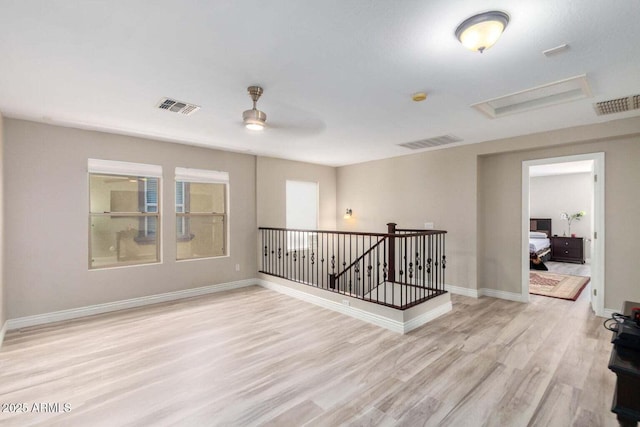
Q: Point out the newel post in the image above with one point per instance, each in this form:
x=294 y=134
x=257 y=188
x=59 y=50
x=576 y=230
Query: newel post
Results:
x=391 y=256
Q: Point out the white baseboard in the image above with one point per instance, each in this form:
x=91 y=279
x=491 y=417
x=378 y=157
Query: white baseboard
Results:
x=74 y=313
x=494 y=293
x=477 y=293
x=459 y=290
x=424 y=318
x=375 y=319
x=2 y=332
x=392 y=325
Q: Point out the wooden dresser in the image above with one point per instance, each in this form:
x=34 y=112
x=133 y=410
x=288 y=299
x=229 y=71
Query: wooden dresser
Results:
x=567 y=249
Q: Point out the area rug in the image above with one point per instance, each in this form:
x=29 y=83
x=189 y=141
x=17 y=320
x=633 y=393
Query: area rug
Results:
x=556 y=285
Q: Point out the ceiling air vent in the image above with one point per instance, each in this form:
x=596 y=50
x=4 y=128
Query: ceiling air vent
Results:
x=547 y=95
x=177 y=106
x=431 y=142
x=619 y=105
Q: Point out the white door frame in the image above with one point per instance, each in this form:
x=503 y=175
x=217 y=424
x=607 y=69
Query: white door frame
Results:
x=597 y=243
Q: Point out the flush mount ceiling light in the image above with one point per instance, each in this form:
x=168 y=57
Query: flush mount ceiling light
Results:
x=482 y=31
x=254 y=119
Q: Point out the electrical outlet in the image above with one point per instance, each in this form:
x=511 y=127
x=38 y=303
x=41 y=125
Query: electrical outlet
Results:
x=346 y=302
x=428 y=226
x=237 y=267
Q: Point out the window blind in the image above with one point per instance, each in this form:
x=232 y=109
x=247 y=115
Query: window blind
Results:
x=201 y=175
x=112 y=167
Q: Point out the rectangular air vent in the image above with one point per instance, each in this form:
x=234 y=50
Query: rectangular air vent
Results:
x=177 y=106
x=431 y=142
x=547 y=95
x=619 y=105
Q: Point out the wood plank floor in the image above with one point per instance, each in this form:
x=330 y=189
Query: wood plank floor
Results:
x=256 y=357
x=569 y=268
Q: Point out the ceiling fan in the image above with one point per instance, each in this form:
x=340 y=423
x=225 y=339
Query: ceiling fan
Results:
x=254 y=119
x=297 y=122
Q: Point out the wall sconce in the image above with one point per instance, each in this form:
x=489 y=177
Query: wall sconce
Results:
x=348 y=214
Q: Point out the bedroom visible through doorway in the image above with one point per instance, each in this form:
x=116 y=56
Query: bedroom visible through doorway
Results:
x=561 y=216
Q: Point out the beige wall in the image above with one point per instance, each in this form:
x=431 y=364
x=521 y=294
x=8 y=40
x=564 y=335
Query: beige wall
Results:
x=437 y=186
x=3 y=309
x=551 y=195
x=500 y=183
x=47 y=219
x=272 y=175
x=475 y=193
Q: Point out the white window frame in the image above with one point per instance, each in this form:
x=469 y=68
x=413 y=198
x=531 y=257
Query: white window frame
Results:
x=120 y=168
x=205 y=176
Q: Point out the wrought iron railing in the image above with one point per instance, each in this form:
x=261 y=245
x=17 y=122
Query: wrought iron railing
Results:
x=400 y=268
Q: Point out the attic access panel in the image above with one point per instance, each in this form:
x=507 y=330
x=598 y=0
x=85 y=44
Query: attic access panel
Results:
x=572 y=89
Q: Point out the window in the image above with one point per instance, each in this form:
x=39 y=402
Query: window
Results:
x=302 y=212
x=201 y=213
x=124 y=214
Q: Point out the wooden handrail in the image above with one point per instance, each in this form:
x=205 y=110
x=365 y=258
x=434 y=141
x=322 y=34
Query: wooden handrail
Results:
x=416 y=232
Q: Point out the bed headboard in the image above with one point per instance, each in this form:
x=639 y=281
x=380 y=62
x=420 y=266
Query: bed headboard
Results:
x=540 y=224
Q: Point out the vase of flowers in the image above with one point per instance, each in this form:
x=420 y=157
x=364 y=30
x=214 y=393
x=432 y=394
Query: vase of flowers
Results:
x=573 y=217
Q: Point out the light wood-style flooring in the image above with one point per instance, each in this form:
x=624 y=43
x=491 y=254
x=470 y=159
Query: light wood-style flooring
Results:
x=256 y=357
x=572 y=269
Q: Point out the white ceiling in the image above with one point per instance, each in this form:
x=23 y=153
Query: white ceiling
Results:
x=338 y=75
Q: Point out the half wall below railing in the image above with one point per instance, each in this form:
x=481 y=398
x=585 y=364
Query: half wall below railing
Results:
x=400 y=268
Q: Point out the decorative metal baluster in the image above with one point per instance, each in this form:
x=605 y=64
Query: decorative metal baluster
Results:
x=362 y=264
x=272 y=258
x=302 y=249
x=436 y=265
x=303 y=256
x=266 y=252
x=357 y=275
x=313 y=264
x=414 y=295
x=321 y=275
x=280 y=260
x=344 y=254
x=384 y=271
x=419 y=272
x=444 y=260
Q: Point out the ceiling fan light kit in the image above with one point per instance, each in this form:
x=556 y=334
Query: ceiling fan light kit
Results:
x=482 y=31
x=254 y=119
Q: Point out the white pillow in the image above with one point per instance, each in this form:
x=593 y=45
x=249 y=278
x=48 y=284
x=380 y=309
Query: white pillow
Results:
x=537 y=235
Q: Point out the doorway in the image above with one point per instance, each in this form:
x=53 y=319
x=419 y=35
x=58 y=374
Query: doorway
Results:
x=595 y=248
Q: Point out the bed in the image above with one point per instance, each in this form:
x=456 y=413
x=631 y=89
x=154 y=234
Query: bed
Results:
x=539 y=234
